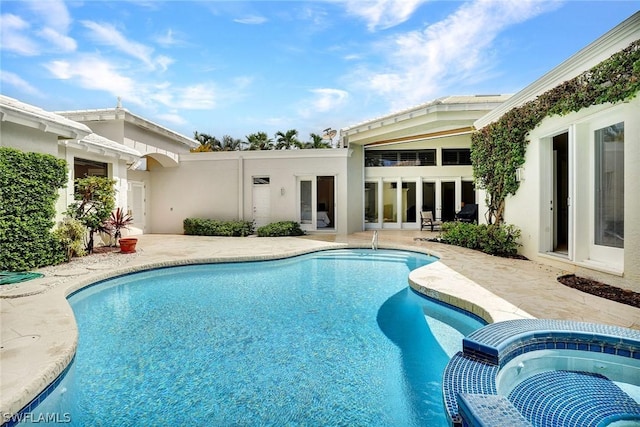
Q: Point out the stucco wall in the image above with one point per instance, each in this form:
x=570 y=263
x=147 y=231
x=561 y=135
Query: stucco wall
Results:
x=219 y=185
x=530 y=208
x=28 y=139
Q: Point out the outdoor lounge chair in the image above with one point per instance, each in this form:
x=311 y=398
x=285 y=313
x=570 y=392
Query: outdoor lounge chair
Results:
x=426 y=220
x=468 y=213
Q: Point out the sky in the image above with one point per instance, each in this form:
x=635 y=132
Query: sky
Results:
x=241 y=67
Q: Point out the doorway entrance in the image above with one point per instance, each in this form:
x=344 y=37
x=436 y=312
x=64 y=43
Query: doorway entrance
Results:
x=317 y=202
x=560 y=193
x=261 y=200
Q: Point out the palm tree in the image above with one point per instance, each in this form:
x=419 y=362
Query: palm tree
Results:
x=317 y=142
x=259 y=141
x=288 y=140
x=230 y=144
x=207 y=142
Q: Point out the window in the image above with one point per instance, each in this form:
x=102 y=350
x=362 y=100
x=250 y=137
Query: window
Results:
x=456 y=156
x=400 y=158
x=371 y=202
x=609 y=186
x=83 y=168
x=261 y=180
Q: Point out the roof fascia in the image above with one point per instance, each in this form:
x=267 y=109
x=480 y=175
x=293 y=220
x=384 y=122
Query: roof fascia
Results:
x=60 y=126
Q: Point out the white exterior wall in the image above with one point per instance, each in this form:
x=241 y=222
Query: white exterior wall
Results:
x=530 y=210
x=28 y=139
x=219 y=185
x=117 y=170
x=436 y=174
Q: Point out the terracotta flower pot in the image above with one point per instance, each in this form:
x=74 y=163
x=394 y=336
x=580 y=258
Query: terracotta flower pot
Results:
x=128 y=245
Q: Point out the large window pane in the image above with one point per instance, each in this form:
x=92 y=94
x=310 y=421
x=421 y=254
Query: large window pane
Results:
x=408 y=202
x=371 y=202
x=390 y=200
x=305 y=202
x=609 y=186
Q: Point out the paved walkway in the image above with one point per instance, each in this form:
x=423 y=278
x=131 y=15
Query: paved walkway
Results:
x=39 y=335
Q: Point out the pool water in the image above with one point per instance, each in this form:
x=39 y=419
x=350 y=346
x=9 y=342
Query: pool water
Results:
x=329 y=338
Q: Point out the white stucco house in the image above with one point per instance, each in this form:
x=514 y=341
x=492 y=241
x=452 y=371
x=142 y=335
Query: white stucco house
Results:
x=418 y=160
x=29 y=128
x=578 y=204
x=155 y=146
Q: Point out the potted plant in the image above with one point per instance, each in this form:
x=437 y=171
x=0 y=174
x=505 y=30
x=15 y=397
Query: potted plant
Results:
x=119 y=221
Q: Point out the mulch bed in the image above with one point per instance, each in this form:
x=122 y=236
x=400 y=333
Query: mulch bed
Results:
x=602 y=290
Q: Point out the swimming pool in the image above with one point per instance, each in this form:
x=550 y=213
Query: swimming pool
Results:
x=333 y=337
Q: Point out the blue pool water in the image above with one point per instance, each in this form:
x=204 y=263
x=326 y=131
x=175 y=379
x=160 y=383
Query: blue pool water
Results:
x=329 y=338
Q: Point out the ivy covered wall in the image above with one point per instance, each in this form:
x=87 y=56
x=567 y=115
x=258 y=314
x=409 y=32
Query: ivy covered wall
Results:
x=499 y=149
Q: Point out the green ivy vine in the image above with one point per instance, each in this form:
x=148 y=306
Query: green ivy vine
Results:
x=499 y=148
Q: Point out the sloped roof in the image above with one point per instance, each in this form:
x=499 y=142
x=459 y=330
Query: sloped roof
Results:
x=14 y=111
x=119 y=113
x=468 y=102
x=106 y=144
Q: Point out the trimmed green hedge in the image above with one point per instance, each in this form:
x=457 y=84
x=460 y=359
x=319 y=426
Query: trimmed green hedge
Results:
x=501 y=240
x=280 y=229
x=212 y=227
x=29 y=184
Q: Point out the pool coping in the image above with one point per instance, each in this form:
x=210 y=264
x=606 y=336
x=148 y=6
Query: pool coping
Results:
x=57 y=333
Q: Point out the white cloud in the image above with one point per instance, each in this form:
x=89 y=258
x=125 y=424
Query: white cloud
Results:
x=94 y=73
x=168 y=39
x=53 y=12
x=197 y=97
x=11 y=79
x=251 y=20
x=11 y=27
x=382 y=14
x=56 y=22
x=421 y=63
x=61 y=41
x=324 y=100
x=108 y=35
x=173 y=118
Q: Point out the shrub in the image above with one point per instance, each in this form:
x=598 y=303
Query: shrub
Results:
x=212 y=227
x=95 y=198
x=71 y=233
x=29 y=184
x=492 y=239
x=280 y=229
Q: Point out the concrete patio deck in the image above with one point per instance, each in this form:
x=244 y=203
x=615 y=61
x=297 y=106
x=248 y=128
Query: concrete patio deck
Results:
x=39 y=335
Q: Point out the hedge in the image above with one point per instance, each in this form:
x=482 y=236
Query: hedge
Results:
x=29 y=184
x=280 y=229
x=212 y=227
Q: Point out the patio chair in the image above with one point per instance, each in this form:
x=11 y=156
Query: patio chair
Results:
x=426 y=220
x=468 y=213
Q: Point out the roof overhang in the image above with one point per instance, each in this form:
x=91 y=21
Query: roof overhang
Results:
x=102 y=146
x=443 y=117
x=20 y=113
x=114 y=114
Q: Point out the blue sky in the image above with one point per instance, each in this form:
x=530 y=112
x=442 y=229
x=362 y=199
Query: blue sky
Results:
x=235 y=68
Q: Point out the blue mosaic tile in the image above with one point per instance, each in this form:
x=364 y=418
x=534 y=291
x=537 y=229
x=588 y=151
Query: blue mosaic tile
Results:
x=572 y=399
x=484 y=410
x=489 y=348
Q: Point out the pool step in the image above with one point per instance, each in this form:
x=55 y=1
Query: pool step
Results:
x=489 y=410
x=570 y=398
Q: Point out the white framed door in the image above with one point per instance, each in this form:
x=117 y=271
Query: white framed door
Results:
x=316 y=202
x=261 y=201
x=136 y=202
